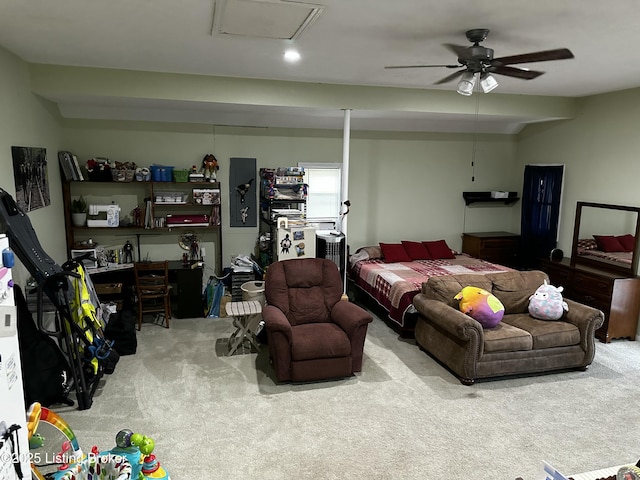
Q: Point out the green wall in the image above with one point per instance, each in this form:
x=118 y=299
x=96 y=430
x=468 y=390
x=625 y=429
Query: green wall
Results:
x=28 y=120
x=600 y=150
x=402 y=185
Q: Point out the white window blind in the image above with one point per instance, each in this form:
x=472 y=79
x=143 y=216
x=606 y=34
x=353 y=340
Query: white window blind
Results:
x=324 y=194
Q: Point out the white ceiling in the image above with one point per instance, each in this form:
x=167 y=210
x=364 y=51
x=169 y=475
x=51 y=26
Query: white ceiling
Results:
x=348 y=43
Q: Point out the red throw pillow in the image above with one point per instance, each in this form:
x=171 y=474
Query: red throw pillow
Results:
x=627 y=241
x=608 y=243
x=416 y=250
x=439 y=249
x=394 y=252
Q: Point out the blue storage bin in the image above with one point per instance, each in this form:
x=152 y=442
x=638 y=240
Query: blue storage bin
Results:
x=161 y=173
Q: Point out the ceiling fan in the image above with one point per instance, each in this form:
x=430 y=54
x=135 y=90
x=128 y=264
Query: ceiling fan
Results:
x=477 y=59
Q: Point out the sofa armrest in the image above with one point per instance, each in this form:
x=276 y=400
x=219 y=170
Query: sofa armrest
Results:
x=350 y=317
x=449 y=319
x=587 y=319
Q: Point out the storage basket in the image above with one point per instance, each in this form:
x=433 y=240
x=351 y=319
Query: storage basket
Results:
x=122 y=175
x=181 y=175
x=253 y=291
x=99 y=175
x=161 y=173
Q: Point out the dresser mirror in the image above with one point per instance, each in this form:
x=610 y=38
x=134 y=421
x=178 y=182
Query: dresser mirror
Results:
x=606 y=236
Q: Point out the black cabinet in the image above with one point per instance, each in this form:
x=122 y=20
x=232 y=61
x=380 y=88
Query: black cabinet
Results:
x=186 y=296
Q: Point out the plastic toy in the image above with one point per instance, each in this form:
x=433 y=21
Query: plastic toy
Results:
x=482 y=306
x=547 y=303
x=58 y=451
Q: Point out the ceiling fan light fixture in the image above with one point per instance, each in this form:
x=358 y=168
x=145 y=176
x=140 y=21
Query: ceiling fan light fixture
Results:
x=466 y=84
x=488 y=82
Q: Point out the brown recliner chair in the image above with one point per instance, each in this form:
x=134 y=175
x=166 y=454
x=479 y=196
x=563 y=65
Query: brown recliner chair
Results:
x=312 y=333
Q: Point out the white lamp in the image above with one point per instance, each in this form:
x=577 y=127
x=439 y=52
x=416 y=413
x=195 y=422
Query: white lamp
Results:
x=487 y=82
x=466 y=84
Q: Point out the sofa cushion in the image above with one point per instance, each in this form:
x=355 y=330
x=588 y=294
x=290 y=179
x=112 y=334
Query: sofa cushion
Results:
x=513 y=289
x=446 y=287
x=319 y=340
x=545 y=334
x=506 y=338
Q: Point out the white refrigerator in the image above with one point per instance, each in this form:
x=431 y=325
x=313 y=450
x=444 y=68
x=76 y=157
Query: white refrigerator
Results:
x=295 y=242
x=12 y=407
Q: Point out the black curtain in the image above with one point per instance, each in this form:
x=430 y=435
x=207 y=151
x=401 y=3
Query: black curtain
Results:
x=540 y=212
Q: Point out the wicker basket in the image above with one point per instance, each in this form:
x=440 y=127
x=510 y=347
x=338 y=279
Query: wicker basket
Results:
x=122 y=175
x=181 y=175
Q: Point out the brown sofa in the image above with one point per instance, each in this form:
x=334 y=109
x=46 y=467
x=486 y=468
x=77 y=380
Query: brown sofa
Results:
x=519 y=344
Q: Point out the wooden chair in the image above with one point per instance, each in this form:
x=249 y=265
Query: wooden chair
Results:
x=153 y=290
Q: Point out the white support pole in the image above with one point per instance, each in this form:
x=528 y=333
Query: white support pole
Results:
x=346 y=136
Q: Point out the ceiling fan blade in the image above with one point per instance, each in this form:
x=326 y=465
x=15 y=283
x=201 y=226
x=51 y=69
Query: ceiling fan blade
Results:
x=544 y=56
x=515 y=72
x=459 y=50
x=389 y=67
x=453 y=76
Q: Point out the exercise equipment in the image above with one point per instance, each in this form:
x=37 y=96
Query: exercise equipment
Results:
x=78 y=327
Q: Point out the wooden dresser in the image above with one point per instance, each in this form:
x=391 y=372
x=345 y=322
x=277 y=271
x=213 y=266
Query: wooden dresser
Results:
x=618 y=296
x=495 y=247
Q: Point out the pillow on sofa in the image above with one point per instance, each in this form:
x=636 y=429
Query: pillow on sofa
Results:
x=627 y=241
x=416 y=250
x=480 y=305
x=439 y=249
x=547 y=303
x=608 y=243
x=394 y=252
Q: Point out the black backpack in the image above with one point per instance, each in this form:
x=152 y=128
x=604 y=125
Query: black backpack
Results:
x=45 y=371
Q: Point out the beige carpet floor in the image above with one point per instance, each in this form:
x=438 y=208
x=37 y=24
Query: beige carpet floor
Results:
x=404 y=417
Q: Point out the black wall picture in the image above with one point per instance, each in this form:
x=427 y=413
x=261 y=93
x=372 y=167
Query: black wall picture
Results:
x=243 y=192
x=31 y=177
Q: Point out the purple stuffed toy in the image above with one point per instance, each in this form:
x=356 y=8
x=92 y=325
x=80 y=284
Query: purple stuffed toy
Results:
x=547 y=303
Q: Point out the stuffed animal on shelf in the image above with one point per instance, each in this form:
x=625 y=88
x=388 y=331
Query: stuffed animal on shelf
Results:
x=482 y=306
x=210 y=167
x=547 y=303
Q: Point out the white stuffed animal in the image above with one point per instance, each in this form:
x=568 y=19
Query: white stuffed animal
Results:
x=547 y=303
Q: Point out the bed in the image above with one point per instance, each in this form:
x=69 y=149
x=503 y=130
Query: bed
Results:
x=392 y=285
x=588 y=248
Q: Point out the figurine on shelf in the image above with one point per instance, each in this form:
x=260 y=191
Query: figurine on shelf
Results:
x=210 y=167
x=127 y=251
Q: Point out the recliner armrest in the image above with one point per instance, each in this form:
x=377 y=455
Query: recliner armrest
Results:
x=349 y=316
x=276 y=321
x=448 y=318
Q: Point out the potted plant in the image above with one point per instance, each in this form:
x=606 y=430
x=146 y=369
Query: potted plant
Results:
x=79 y=211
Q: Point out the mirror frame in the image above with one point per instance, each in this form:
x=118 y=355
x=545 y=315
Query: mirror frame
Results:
x=578 y=260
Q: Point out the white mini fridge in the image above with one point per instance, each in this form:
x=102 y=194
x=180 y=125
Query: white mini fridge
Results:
x=295 y=242
x=12 y=407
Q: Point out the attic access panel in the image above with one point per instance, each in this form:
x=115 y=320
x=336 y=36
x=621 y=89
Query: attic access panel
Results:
x=264 y=19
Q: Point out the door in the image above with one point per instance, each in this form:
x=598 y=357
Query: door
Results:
x=541 y=198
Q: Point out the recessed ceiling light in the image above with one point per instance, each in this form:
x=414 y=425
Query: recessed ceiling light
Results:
x=291 y=56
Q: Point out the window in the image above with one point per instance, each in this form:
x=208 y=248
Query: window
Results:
x=324 y=194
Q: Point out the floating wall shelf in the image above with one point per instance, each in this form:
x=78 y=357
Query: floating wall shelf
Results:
x=485 y=197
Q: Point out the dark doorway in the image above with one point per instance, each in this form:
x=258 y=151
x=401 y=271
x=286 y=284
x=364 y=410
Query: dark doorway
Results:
x=541 y=195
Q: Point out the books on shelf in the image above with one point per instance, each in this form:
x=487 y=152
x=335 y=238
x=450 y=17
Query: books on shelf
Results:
x=70 y=166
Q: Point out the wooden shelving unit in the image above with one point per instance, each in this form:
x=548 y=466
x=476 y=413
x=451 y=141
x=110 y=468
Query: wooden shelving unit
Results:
x=136 y=193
